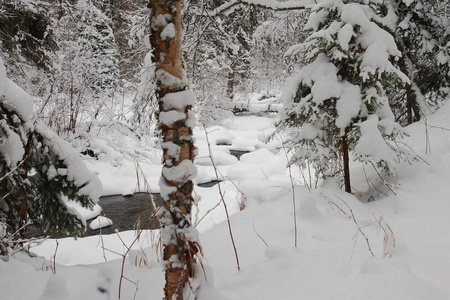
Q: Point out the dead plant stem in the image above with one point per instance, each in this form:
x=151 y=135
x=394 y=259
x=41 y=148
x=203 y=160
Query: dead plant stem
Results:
x=382 y=179
x=222 y=198
x=259 y=235
x=293 y=199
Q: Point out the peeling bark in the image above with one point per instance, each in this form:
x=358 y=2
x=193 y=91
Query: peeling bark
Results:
x=180 y=246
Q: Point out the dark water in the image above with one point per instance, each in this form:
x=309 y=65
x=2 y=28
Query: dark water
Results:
x=127 y=213
x=208 y=184
x=238 y=153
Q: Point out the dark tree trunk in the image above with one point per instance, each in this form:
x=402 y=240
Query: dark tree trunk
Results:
x=346 y=162
x=412 y=107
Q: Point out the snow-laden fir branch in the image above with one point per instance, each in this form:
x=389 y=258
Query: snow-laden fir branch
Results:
x=268 y=4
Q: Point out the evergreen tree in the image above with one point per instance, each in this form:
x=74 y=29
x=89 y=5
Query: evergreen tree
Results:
x=337 y=105
x=27 y=41
x=122 y=15
x=423 y=37
x=39 y=172
x=66 y=55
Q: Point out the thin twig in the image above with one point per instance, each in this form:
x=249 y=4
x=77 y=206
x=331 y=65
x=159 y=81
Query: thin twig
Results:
x=357 y=225
x=253 y=224
x=14 y=169
x=427 y=137
x=222 y=198
x=382 y=179
x=369 y=183
x=439 y=127
x=207 y=213
x=389 y=237
x=54 y=257
x=352 y=215
x=331 y=202
x=417 y=155
x=136 y=290
x=293 y=198
x=124 y=256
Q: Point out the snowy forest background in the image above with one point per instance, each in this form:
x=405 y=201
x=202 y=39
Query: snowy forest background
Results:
x=317 y=92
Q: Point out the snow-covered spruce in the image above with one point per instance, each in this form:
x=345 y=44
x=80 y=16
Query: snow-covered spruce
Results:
x=38 y=170
x=337 y=103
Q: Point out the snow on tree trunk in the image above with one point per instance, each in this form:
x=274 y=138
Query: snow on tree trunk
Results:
x=176 y=121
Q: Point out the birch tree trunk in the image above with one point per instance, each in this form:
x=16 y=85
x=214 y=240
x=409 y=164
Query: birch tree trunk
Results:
x=176 y=120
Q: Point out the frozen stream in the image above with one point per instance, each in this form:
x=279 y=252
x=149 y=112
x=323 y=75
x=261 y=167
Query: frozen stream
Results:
x=136 y=211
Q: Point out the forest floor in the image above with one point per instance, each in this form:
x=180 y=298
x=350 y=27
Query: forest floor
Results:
x=383 y=242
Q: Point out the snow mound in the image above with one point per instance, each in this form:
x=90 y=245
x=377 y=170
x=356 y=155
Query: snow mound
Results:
x=100 y=222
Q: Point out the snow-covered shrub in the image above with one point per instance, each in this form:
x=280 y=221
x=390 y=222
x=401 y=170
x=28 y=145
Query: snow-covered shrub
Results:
x=144 y=103
x=37 y=169
x=218 y=53
x=85 y=72
x=271 y=39
x=337 y=103
x=213 y=109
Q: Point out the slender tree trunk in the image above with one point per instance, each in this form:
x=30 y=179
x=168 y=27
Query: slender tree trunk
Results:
x=176 y=120
x=231 y=79
x=413 y=112
x=412 y=107
x=346 y=162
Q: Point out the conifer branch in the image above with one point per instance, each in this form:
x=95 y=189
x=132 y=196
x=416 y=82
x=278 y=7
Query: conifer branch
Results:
x=275 y=6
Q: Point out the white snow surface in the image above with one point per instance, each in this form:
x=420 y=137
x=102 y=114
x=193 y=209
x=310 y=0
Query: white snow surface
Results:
x=170 y=117
x=11 y=146
x=372 y=143
x=21 y=101
x=76 y=171
x=168 y=32
x=100 y=222
x=179 y=100
x=408 y=233
x=344 y=36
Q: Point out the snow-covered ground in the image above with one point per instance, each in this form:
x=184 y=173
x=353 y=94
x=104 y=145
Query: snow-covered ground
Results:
x=395 y=247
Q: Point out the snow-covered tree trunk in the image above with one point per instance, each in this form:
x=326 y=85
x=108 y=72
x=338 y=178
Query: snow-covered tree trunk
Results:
x=176 y=121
